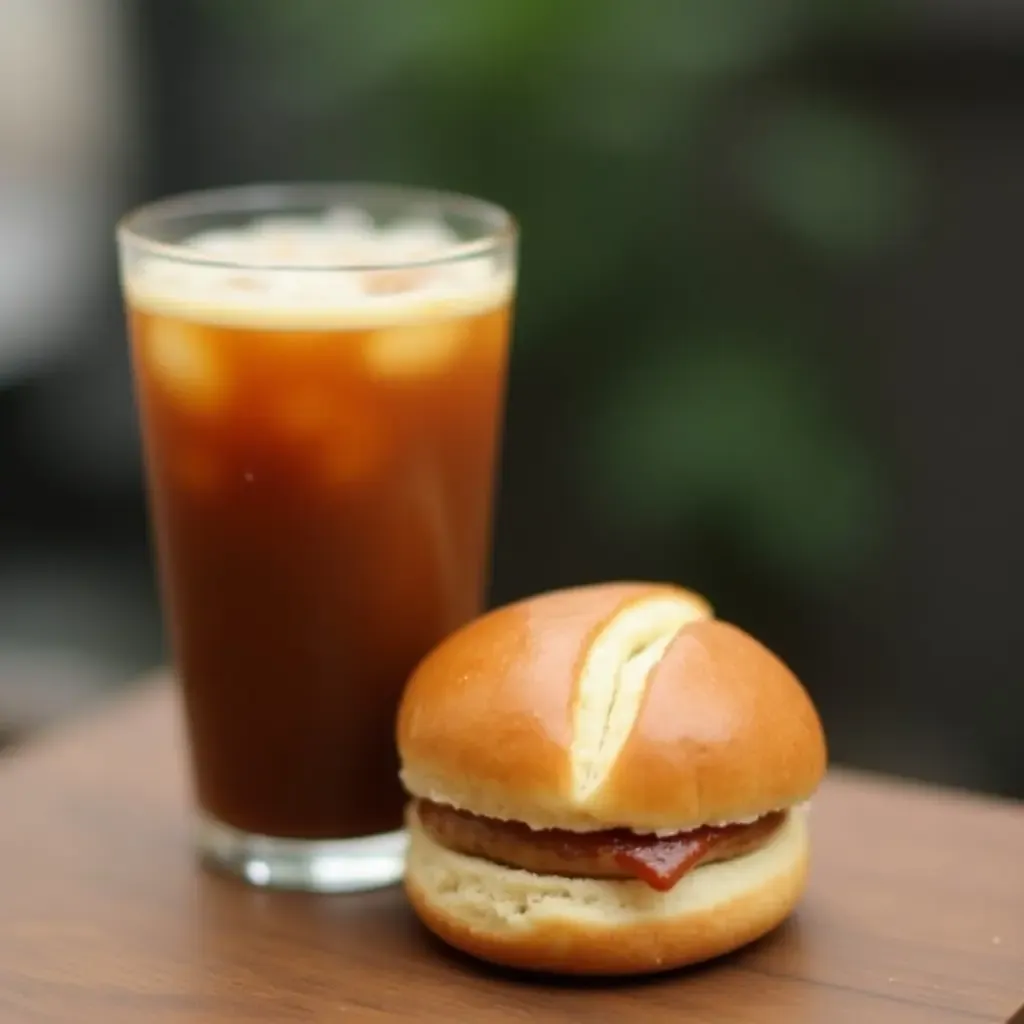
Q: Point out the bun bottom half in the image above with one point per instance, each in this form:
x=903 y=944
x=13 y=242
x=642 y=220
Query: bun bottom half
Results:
x=604 y=927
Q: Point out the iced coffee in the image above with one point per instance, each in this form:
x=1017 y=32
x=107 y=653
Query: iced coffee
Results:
x=320 y=379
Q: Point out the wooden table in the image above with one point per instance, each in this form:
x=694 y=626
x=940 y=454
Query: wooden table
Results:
x=915 y=914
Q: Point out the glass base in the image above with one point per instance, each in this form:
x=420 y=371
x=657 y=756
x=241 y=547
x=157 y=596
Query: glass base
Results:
x=304 y=865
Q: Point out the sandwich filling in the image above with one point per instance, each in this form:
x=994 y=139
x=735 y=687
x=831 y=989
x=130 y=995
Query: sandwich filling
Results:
x=659 y=861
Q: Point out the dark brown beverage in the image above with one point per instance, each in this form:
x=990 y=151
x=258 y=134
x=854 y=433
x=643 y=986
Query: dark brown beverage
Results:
x=321 y=469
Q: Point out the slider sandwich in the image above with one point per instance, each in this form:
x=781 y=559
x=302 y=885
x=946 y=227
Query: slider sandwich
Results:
x=606 y=780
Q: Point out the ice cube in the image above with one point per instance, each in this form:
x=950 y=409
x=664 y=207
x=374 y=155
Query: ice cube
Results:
x=183 y=363
x=412 y=350
x=358 y=445
x=304 y=413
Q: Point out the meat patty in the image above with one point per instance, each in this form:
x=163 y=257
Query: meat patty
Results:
x=660 y=861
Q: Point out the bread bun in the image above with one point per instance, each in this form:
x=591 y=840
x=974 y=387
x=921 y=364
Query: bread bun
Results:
x=622 y=710
x=608 y=706
x=595 y=926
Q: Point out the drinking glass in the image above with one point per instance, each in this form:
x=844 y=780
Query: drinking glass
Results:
x=320 y=377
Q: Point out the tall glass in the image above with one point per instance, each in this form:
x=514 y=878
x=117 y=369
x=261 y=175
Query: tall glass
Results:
x=320 y=374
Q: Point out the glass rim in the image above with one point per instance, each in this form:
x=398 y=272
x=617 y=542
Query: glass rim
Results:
x=498 y=227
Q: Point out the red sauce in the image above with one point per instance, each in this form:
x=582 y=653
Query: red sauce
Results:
x=662 y=861
x=662 y=865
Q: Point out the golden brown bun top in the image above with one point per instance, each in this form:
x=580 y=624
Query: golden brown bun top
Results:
x=614 y=705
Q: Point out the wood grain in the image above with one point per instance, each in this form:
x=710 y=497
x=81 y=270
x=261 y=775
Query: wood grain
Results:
x=915 y=914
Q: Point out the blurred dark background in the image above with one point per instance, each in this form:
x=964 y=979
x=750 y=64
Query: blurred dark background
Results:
x=768 y=341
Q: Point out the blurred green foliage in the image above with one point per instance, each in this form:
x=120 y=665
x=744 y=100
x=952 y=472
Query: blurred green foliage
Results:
x=683 y=195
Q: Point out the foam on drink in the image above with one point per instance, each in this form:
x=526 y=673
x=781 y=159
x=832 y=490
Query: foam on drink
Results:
x=279 y=273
